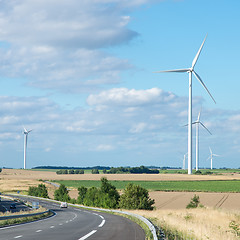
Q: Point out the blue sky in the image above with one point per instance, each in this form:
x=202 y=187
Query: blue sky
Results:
x=81 y=75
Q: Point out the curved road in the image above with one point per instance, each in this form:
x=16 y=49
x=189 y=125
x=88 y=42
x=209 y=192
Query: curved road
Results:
x=6 y=203
x=75 y=224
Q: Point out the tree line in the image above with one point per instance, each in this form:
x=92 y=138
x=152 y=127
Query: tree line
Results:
x=134 y=170
x=106 y=196
x=71 y=171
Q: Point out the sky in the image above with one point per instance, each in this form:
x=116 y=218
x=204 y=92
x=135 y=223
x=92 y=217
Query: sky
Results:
x=81 y=74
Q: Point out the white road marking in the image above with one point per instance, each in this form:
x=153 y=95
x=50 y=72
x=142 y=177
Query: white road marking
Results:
x=66 y=221
x=102 y=223
x=38 y=231
x=87 y=235
x=18 y=236
x=101 y=217
x=52 y=227
x=60 y=224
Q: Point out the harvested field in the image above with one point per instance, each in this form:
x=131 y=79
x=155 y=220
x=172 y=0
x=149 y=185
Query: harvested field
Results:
x=30 y=174
x=179 y=200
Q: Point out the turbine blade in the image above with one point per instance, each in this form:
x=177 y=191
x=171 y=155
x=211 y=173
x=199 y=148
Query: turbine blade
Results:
x=174 y=70
x=200 y=80
x=205 y=127
x=210 y=150
x=216 y=155
x=198 y=53
x=199 y=115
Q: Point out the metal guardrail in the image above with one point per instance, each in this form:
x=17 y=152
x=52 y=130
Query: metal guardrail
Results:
x=22 y=215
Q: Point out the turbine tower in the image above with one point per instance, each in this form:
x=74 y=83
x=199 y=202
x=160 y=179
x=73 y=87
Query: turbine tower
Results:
x=198 y=122
x=25 y=132
x=190 y=71
x=184 y=160
x=211 y=157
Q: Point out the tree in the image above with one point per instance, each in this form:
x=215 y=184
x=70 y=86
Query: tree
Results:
x=92 y=197
x=95 y=171
x=61 y=194
x=40 y=191
x=135 y=197
x=110 y=194
x=81 y=194
x=0 y=169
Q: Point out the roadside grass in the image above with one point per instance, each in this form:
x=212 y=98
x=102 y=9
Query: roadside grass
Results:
x=197 y=224
x=15 y=221
x=5 y=214
x=189 y=186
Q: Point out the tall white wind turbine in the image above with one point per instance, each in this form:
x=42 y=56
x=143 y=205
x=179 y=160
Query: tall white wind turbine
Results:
x=184 y=161
x=190 y=71
x=25 y=132
x=198 y=122
x=211 y=157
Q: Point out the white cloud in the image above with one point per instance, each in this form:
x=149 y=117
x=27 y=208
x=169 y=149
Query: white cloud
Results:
x=104 y=147
x=129 y=97
x=59 y=44
x=138 y=128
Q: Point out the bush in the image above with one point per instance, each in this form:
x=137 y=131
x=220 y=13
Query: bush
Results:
x=194 y=203
x=0 y=169
x=106 y=196
x=135 y=197
x=40 y=191
x=61 y=194
x=95 y=171
x=81 y=194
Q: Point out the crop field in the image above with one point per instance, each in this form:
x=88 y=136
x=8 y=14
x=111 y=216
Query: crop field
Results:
x=187 y=186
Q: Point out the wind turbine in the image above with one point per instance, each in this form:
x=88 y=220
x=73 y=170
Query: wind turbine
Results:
x=184 y=160
x=25 y=132
x=190 y=71
x=211 y=157
x=198 y=122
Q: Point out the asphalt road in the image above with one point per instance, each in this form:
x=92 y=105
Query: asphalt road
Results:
x=75 y=224
x=5 y=206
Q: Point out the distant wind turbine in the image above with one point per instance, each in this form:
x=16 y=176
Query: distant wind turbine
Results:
x=190 y=71
x=184 y=161
x=25 y=132
x=211 y=157
x=198 y=122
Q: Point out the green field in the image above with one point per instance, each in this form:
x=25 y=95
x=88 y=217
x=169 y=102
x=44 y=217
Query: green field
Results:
x=190 y=186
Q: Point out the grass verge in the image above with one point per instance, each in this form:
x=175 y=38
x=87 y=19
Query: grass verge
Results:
x=14 y=221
